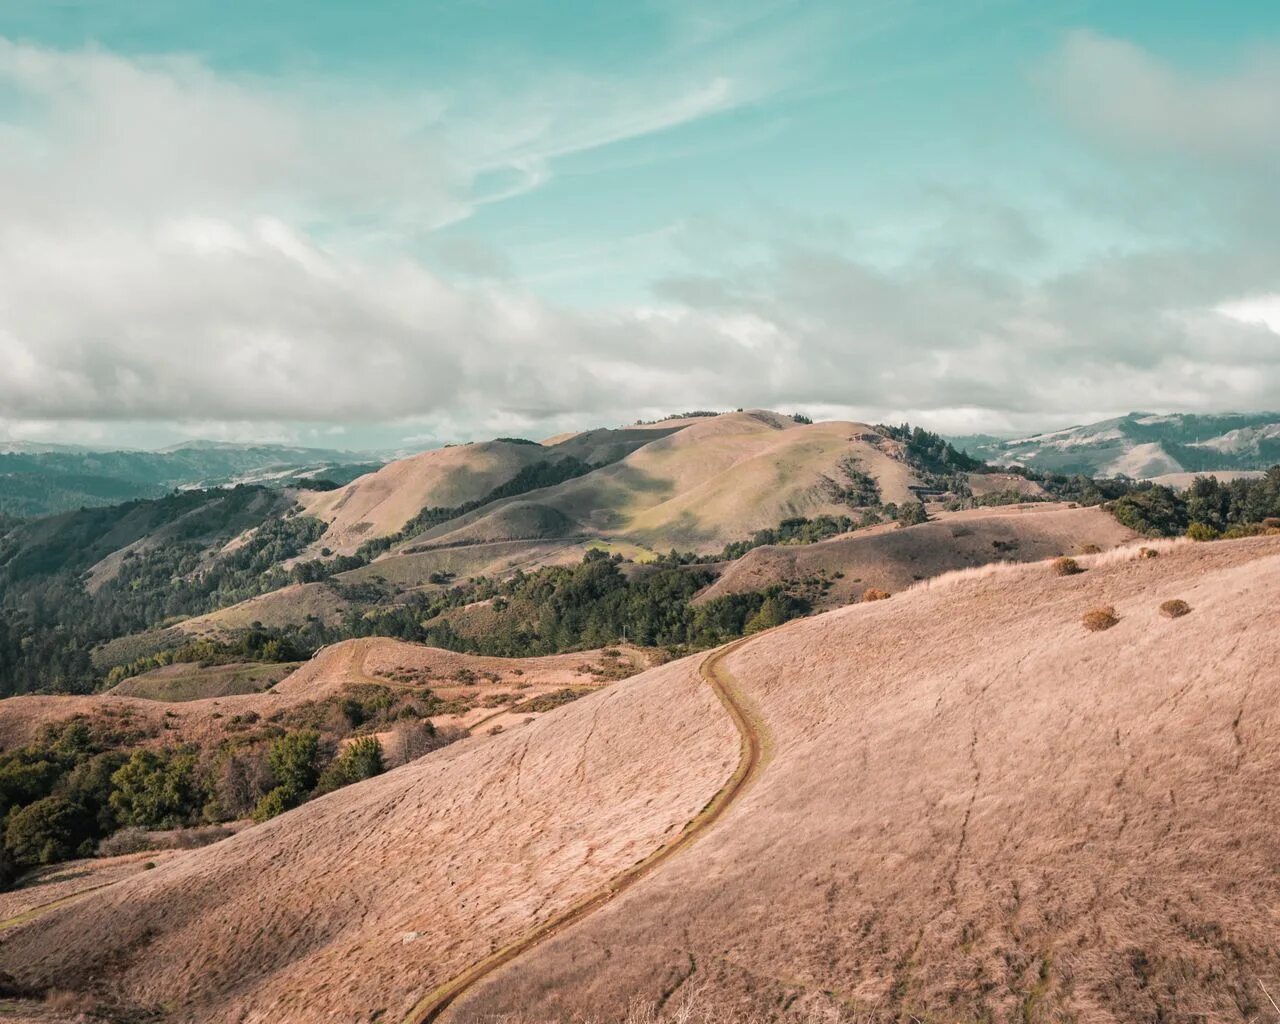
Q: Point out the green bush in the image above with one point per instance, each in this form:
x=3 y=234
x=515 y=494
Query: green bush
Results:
x=275 y=802
x=156 y=789
x=48 y=831
x=360 y=759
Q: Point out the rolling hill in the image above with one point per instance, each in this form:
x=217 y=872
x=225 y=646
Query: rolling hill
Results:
x=714 y=481
x=957 y=804
x=1142 y=445
x=43 y=480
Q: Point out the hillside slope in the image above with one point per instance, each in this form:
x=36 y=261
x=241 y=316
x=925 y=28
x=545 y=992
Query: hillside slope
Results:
x=713 y=482
x=890 y=558
x=1142 y=445
x=381 y=503
x=971 y=808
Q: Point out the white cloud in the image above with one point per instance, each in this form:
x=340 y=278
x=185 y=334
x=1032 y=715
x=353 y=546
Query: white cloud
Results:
x=1263 y=310
x=175 y=245
x=1128 y=98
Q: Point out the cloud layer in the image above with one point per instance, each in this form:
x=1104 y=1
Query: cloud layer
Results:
x=177 y=245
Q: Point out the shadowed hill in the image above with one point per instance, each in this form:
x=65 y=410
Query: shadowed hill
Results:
x=380 y=504
x=713 y=482
x=972 y=808
x=892 y=558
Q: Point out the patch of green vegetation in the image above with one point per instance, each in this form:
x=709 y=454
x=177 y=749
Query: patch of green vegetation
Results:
x=1206 y=510
x=49 y=620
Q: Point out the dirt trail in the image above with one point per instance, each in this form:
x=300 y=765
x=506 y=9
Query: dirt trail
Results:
x=754 y=738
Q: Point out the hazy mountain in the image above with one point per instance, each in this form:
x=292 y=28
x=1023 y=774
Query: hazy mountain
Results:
x=1141 y=445
x=37 y=479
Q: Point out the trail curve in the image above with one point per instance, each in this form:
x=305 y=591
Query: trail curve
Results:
x=754 y=747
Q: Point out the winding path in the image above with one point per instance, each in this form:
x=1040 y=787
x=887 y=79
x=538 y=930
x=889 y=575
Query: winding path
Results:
x=754 y=741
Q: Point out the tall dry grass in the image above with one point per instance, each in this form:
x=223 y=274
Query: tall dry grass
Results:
x=689 y=1008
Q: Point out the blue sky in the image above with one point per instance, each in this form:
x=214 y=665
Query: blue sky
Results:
x=380 y=223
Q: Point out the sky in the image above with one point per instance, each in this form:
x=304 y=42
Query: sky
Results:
x=397 y=224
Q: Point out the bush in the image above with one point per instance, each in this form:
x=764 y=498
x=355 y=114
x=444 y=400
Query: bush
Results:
x=1174 y=609
x=276 y=802
x=1065 y=567
x=360 y=759
x=1202 y=531
x=874 y=594
x=1091 y=549
x=127 y=840
x=1148 y=553
x=1099 y=619
x=47 y=831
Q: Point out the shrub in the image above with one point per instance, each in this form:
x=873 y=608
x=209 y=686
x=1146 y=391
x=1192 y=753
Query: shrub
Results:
x=1147 y=553
x=1091 y=549
x=1202 y=531
x=276 y=802
x=47 y=831
x=874 y=594
x=1066 y=567
x=1174 y=609
x=360 y=759
x=127 y=840
x=1098 y=619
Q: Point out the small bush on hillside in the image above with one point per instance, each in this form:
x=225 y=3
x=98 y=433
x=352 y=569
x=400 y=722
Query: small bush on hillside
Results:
x=1066 y=567
x=1174 y=609
x=874 y=594
x=1091 y=549
x=360 y=759
x=1099 y=619
x=1148 y=553
x=1202 y=531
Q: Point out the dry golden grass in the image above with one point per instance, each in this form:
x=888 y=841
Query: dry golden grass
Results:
x=894 y=560
x=971 y=809
x=1097 y=619
x=379 y=660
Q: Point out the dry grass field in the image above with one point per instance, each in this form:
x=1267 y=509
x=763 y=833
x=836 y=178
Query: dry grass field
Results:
x=890 y=558
x=971 y=809
x=489 y=690
x=715 y=481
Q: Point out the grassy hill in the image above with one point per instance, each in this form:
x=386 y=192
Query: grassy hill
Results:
x=966 y=806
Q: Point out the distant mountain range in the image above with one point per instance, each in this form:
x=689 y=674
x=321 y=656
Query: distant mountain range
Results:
x=38 y=479
x=1141 y=445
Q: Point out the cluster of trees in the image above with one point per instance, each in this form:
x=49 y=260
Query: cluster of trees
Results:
x=257 y=644
x=81 y=781
x=930 y=452
x=1207 y=509
x=49 y=619
x=591 y=604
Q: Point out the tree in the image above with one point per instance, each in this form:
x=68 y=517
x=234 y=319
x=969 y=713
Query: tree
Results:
x=912 y=513
x=47 y=831
x=293 y=762
x=155 y=789
x=360 y=759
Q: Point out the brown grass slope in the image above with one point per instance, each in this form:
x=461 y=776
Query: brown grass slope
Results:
x=717 y=480
x=977 y=810
x=139 y=702
x=891 y=559
x=380 y=503
x=973 y=809
x=352 y=906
